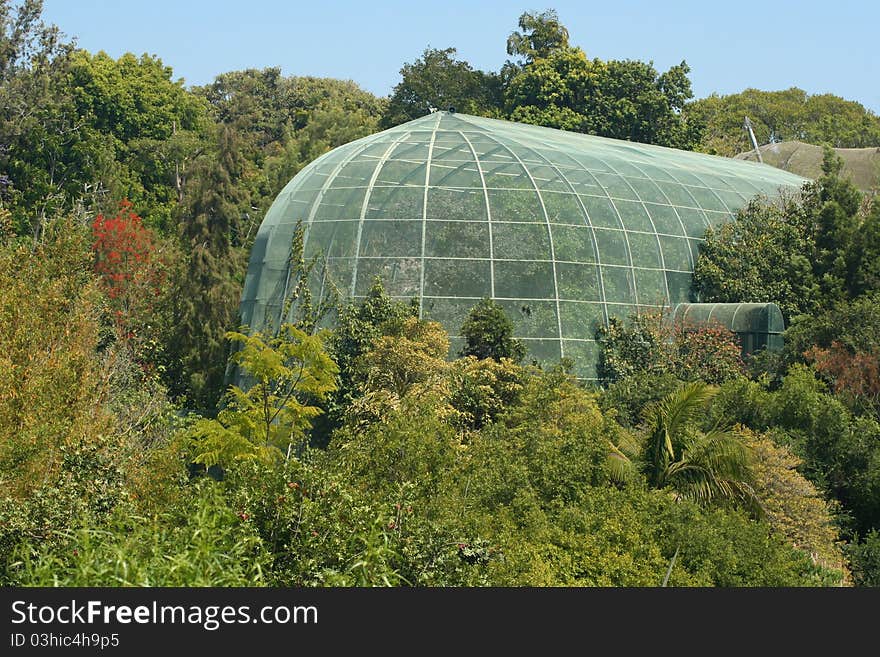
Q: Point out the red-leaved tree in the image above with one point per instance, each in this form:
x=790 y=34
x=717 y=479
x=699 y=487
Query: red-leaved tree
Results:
x=133 y=274
x=854 y=374
x=706 y=352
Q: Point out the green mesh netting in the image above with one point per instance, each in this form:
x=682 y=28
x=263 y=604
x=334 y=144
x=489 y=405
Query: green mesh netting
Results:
x=562 y=229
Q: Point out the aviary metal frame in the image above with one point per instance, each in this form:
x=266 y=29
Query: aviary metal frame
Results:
x=564 y=230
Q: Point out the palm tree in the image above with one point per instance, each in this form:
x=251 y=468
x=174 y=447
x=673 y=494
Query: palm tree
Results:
x=705 y=467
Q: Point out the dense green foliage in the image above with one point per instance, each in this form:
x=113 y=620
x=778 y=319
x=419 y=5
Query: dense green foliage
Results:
x=268 y=419
x=207 y=289
x=488 y=333
x=815 y=256
x=803 y=253
x=620 y=99
x=650 y=343
x=438 y=80
x=554 y=84
x=357 y=450
x=551 y=82
x=470 y=472
x=787 y=115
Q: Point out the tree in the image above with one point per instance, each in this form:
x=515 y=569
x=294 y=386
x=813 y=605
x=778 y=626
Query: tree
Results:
x=794 y=507
x=359 y=325
x=267 y=109
x=802 y=253
x=648 y=345
x=705 y=467
x=542 y=34
x=840 y=450
x=865 y=558
x=765 y=254
x=483 y=390
x=855 y=377
x=489 y=334
x=438 y=80
x=404 y=367
x=854 y=325
x=636 y=346
x=53 y=396
x=843 y=345
x=89 y=130
x=634 y=102
x=709 y=353
x=835 y=206
x=866 y=242
x=556 y=85
x=258 y=104
x=555 y=91
x=155 y=127
x=134 y=267
x=618 y=99
x=209 y=289
x=286 y=122
x=284 y=373
x=122 y=246
x=47 y=151
x=411 y=354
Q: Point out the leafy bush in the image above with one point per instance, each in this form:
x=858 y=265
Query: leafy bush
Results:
x=488 y=332
x=648 y=344
x=204 y=543
x=52 y=393
x=865 y=559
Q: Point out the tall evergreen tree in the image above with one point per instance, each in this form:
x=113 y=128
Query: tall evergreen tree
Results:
x=836 y=211
x=210 y=285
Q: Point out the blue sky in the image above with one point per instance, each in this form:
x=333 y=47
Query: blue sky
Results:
x=822 y=47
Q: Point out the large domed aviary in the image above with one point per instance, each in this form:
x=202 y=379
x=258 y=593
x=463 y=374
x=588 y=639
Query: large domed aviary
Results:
x=562 y=229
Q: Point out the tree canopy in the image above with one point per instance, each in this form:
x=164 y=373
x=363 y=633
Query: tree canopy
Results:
x=785 y=115
x=437 y=80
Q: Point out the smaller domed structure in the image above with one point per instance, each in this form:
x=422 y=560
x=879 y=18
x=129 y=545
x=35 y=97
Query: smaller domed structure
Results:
x=757 y=325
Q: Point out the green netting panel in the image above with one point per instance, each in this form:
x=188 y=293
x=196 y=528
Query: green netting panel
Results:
x=520 y=242
x=564 y=230
x=531 y=318
x=578 y=316
x=576 y=243
x=645 y=249
x=679 y=285
x=458 y=278
x=457 y=239
x=579 y=282
x=758 y=325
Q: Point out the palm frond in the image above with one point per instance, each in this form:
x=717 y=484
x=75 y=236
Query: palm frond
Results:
x=628 y=444
x=681 y=406
x=705 y=487
x=666 y=421
x=723 y=453
x=621 y=468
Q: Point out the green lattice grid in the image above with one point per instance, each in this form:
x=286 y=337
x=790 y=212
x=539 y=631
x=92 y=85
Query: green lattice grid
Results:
x=562 y=229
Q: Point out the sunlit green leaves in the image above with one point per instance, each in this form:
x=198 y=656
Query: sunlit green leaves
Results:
x=285 y=375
